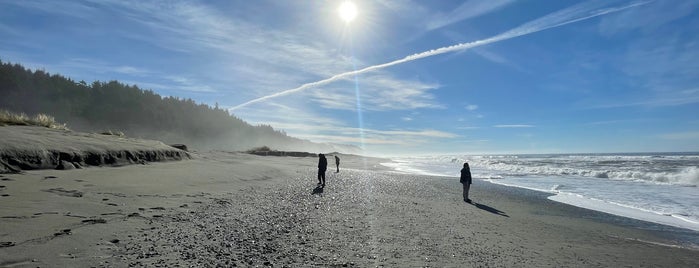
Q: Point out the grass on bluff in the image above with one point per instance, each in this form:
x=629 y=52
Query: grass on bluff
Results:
x=9 y=118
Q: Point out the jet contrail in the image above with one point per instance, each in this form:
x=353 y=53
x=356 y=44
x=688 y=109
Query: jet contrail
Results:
x=569 y=15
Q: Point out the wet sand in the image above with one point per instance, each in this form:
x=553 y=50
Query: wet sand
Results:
x=233 y=209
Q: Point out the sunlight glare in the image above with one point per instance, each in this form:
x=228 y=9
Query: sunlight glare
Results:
x=347 y=11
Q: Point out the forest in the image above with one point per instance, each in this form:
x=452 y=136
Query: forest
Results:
x=140 y=113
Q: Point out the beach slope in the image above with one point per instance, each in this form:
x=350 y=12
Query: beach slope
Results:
x=230 y=209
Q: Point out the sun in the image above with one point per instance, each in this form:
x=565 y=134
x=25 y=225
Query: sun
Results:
x=347 y=11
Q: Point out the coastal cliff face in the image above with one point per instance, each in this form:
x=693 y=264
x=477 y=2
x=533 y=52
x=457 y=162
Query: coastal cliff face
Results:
x=32 y=147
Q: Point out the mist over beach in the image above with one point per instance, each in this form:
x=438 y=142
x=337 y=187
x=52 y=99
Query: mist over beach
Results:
x=349 y=133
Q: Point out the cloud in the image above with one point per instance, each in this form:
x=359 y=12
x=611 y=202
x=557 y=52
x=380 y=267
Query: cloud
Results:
x=688 y=135
x=513 y=126
x=648 y=17
x=663 y=99
x=468 y=127
x=406 y=119
x=469 y=9
x=471 y=107
x=378 y=92
x=309 y=125
x=75 y=9
x=566 y=16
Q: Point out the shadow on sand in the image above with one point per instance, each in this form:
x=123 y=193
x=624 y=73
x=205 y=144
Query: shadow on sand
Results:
x=491 y=209
x=318 y=190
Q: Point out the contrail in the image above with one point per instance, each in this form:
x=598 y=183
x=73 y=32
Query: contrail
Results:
x=569 y=15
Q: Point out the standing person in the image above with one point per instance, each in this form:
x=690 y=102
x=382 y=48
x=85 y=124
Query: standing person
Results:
x=466 y=181
x=337 y=163
x=322 y=166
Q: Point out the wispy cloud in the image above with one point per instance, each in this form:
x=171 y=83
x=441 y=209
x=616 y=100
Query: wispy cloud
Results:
x=469 y=9
x=471 y=107
x=513 y=126
x=566 y=16
x=468 y=127
x=316 y=126
x=378 y=92
x=648 y=17
x=77 y=9
x=665 y=99
x=688 y=135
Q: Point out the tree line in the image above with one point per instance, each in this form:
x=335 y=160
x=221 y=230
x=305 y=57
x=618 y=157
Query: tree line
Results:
x=137 y=112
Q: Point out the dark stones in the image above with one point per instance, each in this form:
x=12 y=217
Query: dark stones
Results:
x=64 y=192
x=65 y=165
x=94 y=221
x=180 y=146
x=63 y=232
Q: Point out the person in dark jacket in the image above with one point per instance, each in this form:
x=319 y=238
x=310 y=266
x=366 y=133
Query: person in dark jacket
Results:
x=337 y=164
x=466 y=181
x=322 y=166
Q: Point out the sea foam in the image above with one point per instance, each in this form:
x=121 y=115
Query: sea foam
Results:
x=660 y=188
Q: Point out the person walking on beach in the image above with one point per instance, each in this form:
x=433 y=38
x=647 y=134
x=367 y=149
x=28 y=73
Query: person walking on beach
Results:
x=322 y=166
x=337 y=164
x=466 y=181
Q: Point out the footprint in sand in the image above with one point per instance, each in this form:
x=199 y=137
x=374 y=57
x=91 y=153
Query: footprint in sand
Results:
x=64 y=192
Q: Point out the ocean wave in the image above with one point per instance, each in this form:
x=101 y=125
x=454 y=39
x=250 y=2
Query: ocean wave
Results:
x=665 y=169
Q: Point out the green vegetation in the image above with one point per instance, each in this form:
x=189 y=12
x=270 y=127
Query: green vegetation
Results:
x=9 y=118
x=138 y=113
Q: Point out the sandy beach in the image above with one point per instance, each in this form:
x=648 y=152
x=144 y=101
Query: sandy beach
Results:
x=234 y=209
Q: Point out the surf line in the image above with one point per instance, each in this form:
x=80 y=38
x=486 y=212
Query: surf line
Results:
x=559 y=18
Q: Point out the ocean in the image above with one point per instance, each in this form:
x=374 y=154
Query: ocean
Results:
x=656 y=187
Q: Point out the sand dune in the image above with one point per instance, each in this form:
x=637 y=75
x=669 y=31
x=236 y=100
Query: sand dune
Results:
x=33 y=147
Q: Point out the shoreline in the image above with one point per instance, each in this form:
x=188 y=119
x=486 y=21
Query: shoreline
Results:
x=577 y=200
x=222 y=208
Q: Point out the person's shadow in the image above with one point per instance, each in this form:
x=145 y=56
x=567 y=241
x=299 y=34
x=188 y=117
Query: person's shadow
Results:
x=318 y=190
x=491 y=209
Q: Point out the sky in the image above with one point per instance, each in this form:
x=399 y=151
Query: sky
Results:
x=404 y=77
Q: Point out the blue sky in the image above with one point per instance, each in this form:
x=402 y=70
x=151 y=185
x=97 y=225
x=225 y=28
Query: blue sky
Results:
x=511 y=76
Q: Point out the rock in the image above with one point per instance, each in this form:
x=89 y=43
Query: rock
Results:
x=114 y=241
x=62 y=232
x=180 y=146
x=65 y=165
x=64 y=192
x=6 y=244
x=93 y=221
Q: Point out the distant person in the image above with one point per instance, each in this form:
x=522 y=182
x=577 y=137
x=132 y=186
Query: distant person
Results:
x=466 y=181
x=322 y=167
x=337 y=164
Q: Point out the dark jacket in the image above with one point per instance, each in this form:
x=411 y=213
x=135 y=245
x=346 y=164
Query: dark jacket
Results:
x=465 y=175
x=323 y=163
